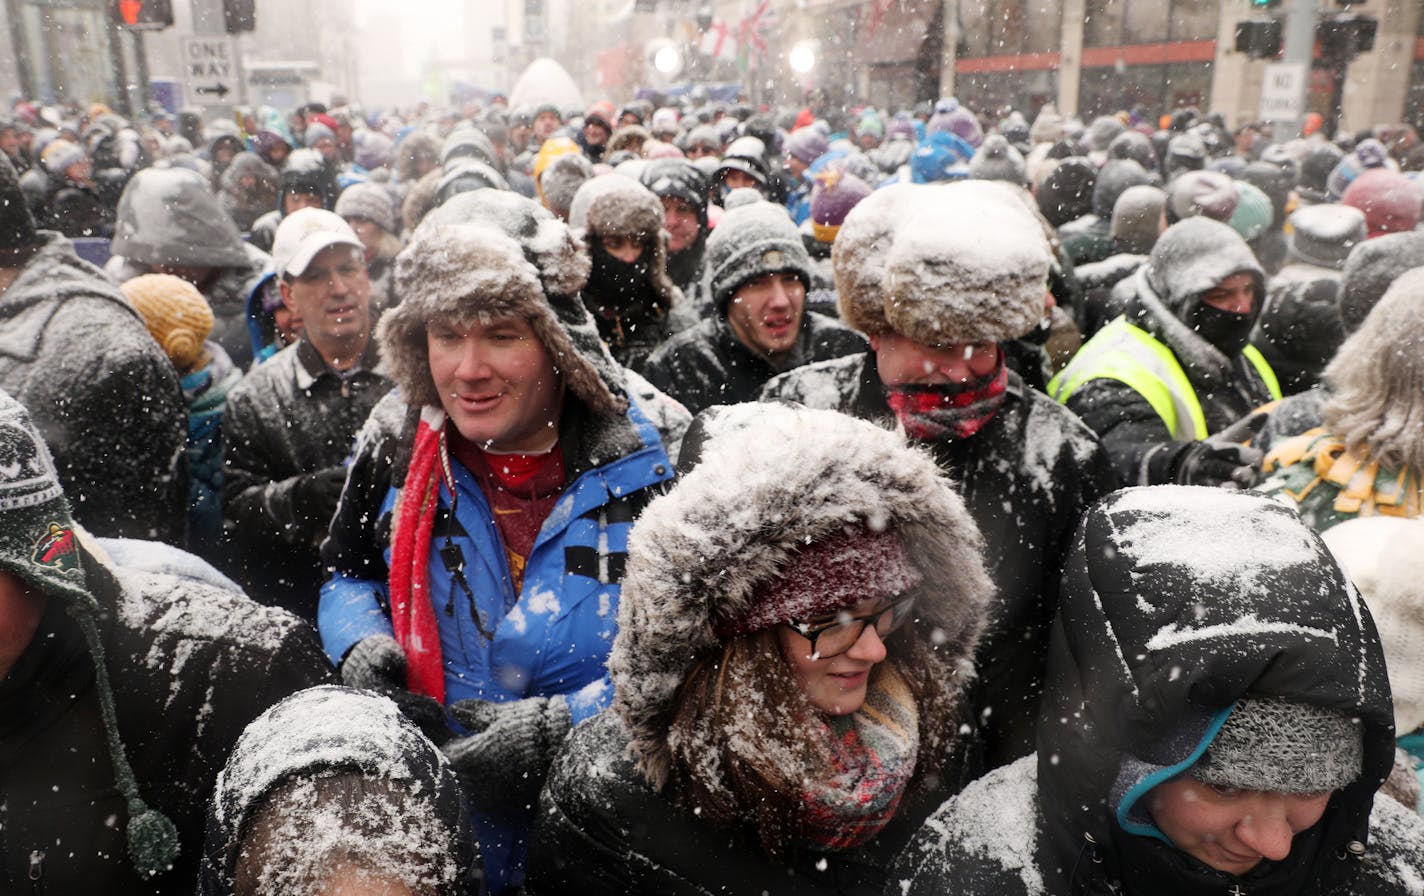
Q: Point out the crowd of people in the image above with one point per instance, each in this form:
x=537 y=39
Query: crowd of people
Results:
x=709 y=499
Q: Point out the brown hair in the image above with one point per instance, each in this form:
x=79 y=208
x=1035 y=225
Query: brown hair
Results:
x=744 y=736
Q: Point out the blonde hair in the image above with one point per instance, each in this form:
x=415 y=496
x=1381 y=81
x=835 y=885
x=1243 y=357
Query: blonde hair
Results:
x=1376 y=380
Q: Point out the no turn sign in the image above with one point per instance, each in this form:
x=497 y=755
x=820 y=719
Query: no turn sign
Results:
x=211 y=75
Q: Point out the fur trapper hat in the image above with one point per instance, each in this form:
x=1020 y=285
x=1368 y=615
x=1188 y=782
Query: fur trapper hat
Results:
x=773 y=479
x=616 y=205
x=514 y=259
x=966 y=263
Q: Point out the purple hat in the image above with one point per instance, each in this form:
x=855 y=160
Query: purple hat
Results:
x=807 y=144
x=835 y=193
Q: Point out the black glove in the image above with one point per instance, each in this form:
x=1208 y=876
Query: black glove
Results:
x=315 y=495
x=1216 y=462
x=377 y=664
x=503 y=764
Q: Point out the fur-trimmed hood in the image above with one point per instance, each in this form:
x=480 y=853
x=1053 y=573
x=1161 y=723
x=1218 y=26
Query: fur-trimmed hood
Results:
x=514 y=259
x=772 y=479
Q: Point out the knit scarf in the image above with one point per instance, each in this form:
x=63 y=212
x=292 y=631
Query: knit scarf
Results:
x=870 y=765
x=949 y=410
x=412 y=612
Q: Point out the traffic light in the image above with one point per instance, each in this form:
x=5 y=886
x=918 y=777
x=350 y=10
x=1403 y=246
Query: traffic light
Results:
x=1259 y=38
x=239 y=16
x=1344 y=37
x=141 y=15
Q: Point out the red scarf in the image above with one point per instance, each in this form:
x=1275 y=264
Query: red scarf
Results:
x=412 y=614
x=949 y=410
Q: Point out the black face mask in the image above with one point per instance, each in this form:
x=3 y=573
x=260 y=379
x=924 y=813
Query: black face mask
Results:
x=617 y=286
x=1228 y=332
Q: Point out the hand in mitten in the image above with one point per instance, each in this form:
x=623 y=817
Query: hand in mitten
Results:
x=315 y=495
x=377 y=663
x=1219 y=463
x=503 y=763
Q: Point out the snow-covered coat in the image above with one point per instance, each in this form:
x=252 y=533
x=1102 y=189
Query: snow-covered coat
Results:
x=1026 y=477
x=707 y=364
x=413 y=825
x=1176 y=603
x=771 y=479
x=190 y=666
x=1299 y=328
x=101 y=392
x=288 y=417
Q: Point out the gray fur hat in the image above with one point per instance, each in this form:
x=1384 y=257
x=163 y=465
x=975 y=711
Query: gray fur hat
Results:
x=773 y=479
x=565 y=175
x=754 y=238
x=966 y=263
x=514 y=259
x=616 y=205
x=371 y=202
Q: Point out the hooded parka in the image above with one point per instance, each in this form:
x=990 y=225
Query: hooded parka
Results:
x=1177 y=602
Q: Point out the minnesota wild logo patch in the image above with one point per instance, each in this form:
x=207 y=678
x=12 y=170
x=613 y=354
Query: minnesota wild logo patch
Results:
x=56 y=548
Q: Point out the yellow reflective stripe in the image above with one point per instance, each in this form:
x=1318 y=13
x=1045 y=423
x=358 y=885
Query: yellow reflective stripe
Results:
x=1263 y=368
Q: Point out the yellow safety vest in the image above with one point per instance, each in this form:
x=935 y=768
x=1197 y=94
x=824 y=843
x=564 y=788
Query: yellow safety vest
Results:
x=1129 y=354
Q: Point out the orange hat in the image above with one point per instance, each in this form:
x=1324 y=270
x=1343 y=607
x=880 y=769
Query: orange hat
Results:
x=176 y=314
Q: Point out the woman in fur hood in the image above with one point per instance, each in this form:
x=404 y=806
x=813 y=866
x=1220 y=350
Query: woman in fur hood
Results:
x=793 y=645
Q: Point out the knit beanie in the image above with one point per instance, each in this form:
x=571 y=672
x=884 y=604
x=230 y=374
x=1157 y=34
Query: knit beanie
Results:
x=1391 y=202
x=968 y=263
x=369 y=202
x=943 y=156
x=826 y=576
x=807 y=144
x=1066 y=192
x=1115 y=177
x=1283 y=746
x=1370 y=270
x=17 y=224
x=563 y=178
x=958 y=121
x=996 y=159
x=1275 y=182
x=678 y=179
x=59 y=155
x=175 y=313
x=1367 y=155
x=754 y=238
x=38 y=544
x=835 y=193
x=316 y=131
x=1315 y=169
x=468 y=142
x=374 y=150
x=1323 y=235
x=1137 y=215
x=1206 y=193
x=1047 y=125
x=1133 y=145
x=1253 y=215
x=1102 y=132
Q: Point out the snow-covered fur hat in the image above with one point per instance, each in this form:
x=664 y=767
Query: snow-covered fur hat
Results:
x=614 y=205
x=514 y=259
x=772 y=480
x=858 y=255
x=968 y=263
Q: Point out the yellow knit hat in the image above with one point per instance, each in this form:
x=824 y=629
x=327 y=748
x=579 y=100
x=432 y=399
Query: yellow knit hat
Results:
x=176 y=314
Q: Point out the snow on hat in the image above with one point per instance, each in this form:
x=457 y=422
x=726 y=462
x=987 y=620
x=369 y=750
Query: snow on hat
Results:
x=611 y=205
x=1391 y=202
x=1253 y=215
x=17 y=224
x=466 y=174
x=1315 y=169
x=39 y=545
x=1371 y=268
x=1115 y=177
x=374 y=150
x=370 y=202
x=1323 y=235
x=1047 y=125
x=678 y=179
x=317 y=131
x=1381 y=555
x=943 y=156
x=552 y=149
x=958 y=121
x=996 y=159
x=563 y=178
x=1206 y=193
x=967 y=266
x=60 y=154
x=858 y=255
x=753 y=239
x=1066 y=192
x=1367 y=155
x=1283 y=746
x=1137 y=214
x=1101 y=133
x=467 y=142
x=807 y=144
x=175 y=313
x=303 y=234
x=835 y=192
x=514 y=259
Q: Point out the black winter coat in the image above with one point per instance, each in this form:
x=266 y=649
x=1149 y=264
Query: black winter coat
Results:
x=706 y=364
x=102 y=394
x=190 y=666
x=1299 y=329
x=1027 y=477
x=602 y=831
x=288 y=418
x=1176 y=603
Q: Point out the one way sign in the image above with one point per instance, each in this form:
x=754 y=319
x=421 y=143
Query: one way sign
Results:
x=211 y=75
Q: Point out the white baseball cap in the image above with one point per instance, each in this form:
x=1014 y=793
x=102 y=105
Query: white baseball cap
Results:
x=304 y=233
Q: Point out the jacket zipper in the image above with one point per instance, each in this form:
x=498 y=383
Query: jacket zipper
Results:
x=36 y=871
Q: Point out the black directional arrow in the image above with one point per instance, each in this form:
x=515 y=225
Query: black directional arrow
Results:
x=221 y=90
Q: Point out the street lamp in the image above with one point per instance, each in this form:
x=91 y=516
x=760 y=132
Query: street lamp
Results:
x=802 y=58
x=667 y=60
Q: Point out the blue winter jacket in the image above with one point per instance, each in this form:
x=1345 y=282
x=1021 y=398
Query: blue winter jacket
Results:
x=551 y=638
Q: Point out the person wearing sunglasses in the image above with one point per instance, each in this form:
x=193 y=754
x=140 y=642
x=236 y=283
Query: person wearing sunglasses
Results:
x=790 y=670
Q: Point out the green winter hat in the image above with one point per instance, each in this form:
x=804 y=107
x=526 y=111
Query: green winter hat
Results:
x=38 y=544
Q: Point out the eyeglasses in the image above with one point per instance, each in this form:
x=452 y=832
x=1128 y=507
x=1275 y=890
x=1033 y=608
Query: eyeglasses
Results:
x=835 y=637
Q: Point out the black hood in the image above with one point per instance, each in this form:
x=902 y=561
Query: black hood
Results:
x=1176 y=603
